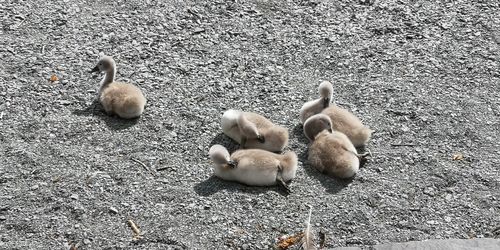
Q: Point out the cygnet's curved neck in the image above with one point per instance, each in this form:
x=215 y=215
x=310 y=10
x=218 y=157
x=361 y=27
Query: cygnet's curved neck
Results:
x=109 y=77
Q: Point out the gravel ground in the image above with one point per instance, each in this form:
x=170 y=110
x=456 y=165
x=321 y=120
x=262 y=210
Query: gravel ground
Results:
x=423 y=74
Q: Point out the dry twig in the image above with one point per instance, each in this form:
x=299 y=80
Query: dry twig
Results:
x=162 y=168
x=135 y=229
x=143 y=165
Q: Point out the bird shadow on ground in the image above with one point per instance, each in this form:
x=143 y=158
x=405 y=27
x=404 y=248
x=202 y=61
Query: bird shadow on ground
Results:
x=114 y=122
x=298 y=131
x=225 y=141
x=332 y=185
x=214 y=184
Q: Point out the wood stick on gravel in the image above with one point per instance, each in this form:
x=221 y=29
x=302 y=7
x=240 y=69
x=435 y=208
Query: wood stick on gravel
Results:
x=143 y=165
x=135 y=229
x=162 y=168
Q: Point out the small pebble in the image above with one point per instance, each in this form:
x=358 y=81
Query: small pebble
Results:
x=113 y=210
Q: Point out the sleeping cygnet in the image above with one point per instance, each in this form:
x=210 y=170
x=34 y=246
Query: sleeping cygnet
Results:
x=254 y=167
x=252 y=130
x=123 y=99
x=347 y=123
x=330 y=152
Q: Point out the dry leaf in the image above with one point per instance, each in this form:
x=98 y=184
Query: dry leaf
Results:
x=458 y=157
x=53 y=78
x=288 y=241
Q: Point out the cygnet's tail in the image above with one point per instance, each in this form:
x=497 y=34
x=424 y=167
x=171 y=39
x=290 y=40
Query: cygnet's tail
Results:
x=361 y=136
x=132 y=108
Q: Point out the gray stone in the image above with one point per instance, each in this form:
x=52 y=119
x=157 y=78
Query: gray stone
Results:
x=449 y=244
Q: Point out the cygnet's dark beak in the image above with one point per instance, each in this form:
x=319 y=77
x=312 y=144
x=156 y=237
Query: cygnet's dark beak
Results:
x=330 y=130
x=95 y=69
x=261 y=139
x=326 y=102
x=232 y=164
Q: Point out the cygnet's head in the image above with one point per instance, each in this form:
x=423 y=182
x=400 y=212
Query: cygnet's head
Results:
x=276 y=137
x=105 y=64
x=326 y=92
x=316 y=124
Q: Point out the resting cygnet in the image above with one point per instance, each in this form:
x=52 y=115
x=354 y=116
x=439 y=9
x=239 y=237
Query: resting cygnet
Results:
x=313 y=107
x=330 y=152
x=345 y=122
x=254 y=167
x=342 y=120
x=123 y=99
x=252 y=130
